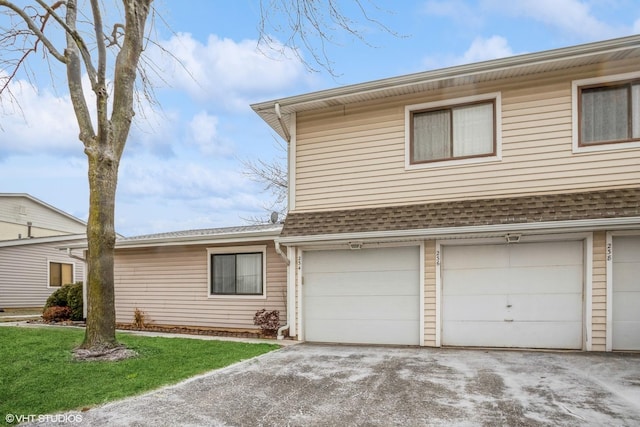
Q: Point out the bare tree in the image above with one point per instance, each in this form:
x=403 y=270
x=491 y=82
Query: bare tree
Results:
x=110 y=57
x=86 y=51
x=272 y=175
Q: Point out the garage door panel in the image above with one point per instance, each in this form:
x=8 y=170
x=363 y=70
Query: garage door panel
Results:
x=525 y=280
x=466 y=257
x=625 y=307
x=364 y=332
x=485 y=307
x=545 y=254
x=362 y=260
x=627 y=277
x=513 y=334
x=465 y=281
x=535 y=307
x=359 y=307
x=362 y=283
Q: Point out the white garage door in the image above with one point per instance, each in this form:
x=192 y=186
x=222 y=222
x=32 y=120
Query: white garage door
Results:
x=362 y=296
x=625 y=308
x=518 y=295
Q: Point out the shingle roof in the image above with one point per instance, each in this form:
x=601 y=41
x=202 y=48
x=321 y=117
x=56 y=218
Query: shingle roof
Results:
x=208 y=232
x=514 y=210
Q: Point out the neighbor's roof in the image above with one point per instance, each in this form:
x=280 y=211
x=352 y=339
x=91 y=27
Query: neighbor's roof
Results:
x=466 y=214
x=46 y=205
x=244 y=233
x=76 y=239
x=514 y=66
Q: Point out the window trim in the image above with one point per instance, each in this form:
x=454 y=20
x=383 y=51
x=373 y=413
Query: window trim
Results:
x=576 y=87
x=235 y=250
x=496 y=155
x=56 y=261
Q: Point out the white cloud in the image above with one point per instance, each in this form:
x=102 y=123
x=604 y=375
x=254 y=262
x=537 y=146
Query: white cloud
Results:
x=228 y=73
x=457 y=10
x=203 y=132
x=483 y=49
x=37 y=121
x=636 y=26
x=570 y=16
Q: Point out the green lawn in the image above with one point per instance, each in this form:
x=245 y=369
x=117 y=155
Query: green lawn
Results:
x=38 y=375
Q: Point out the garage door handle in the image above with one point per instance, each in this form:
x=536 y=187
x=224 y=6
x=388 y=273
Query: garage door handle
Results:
x=508 y=320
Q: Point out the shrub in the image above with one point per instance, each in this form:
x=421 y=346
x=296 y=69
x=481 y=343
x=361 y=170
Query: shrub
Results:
x=56 y=314
x=139 y=319
x=269 y=321
x=70 y=296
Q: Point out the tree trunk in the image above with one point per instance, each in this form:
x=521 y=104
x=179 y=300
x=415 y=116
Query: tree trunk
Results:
x=100 y=333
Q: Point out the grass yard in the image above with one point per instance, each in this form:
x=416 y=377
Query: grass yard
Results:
x=38 y=375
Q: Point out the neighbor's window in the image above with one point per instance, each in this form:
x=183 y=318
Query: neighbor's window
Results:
x=610 y=113
x=60 y=274
x=236 y=274
x=453 y=132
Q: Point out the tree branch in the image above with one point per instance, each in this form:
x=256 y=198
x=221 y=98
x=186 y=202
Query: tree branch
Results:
x=34 y=28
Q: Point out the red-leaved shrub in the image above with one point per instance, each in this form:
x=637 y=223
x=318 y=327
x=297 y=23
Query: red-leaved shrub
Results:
x=56 y=314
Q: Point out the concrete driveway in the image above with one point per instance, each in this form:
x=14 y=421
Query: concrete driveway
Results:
x=323 y=385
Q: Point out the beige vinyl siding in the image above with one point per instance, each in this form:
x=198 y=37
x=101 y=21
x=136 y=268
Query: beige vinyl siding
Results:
x=354 y=156
x=170 y=285
x=599 y=292
x=24 y=273
x=15 y=212
x=430 y=293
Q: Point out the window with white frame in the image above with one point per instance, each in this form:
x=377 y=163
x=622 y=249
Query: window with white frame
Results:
x=460 y=129
x=236 y=271
x=60 y=273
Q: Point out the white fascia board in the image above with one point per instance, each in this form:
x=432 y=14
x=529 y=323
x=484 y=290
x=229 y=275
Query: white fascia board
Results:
x=37 y=240
x=436 y=233
x=200 y=240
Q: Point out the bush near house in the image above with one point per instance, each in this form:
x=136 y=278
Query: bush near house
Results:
x=269 y=321
x=69 y=295
x=56 y=314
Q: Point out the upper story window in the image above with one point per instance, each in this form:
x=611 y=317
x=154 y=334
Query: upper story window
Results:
x=606 y=113
x=610 y=113
x=463 y=130
x=60 y=273
x=238 y=271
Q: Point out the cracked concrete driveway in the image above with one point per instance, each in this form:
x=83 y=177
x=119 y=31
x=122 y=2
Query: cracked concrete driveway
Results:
x=324 y=385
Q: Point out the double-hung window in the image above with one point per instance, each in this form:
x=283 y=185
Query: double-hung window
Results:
x=60 y=273
x=236 y=273
x=459 y=130
x=606 y=112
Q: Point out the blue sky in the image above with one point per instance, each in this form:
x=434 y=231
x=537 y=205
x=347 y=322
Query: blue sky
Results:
x=182 y=168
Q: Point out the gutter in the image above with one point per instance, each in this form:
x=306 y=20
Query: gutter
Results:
x=284 y=127
x=287 y=326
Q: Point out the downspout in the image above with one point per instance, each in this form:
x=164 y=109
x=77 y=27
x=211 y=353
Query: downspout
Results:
x=285 y=327
x=84 y=281
x=282 y=123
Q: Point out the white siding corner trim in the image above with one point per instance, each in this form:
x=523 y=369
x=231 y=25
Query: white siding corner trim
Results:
x=238 y=250
x=497 y=96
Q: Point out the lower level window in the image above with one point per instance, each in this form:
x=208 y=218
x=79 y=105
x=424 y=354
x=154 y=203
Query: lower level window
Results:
x=60 y=274
x=236 y=274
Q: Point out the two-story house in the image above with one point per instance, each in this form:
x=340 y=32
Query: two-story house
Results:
x=31 y=263
x=491 y=204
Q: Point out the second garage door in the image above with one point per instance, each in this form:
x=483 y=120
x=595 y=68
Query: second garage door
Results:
x=518 y=295
x=368 y=296
x=626 y=293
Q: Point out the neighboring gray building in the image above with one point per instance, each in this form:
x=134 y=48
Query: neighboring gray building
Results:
x=31 y=265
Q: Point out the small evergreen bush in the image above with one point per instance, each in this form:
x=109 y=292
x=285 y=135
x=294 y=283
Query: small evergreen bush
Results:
x=70 y=296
